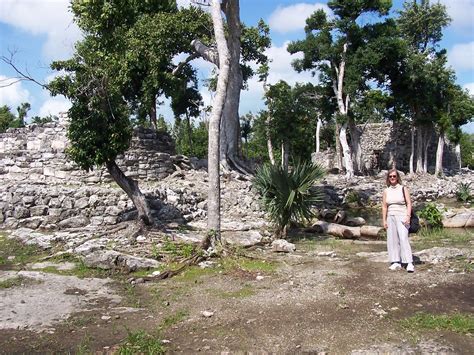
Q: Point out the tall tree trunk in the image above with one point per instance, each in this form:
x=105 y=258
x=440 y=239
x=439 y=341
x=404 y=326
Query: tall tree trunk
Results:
x=132 y=190
x=343 y=106
x=214 y=198
x=318 y=132
x=271 y=156
x=153 y=119
x=285 y=154
x=189 y=131
x=346 y=151
x=412 y=149
x=439 y=155
x=457 y=150
x=338 y=147
x=419 y=150
x=426 y=142
x=356 y=147
x=230 y=125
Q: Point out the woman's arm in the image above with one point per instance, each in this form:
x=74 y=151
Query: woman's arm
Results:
x=384 y=209
x=408 y=202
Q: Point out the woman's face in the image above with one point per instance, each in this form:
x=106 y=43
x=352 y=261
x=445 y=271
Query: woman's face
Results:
x=392 y=178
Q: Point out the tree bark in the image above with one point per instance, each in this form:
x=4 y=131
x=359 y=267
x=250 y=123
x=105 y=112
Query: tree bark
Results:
x=426 y=144
x=412 y=149
x=271 y=156
x=356 y=147
x=338 y=148
x=457 y=150
x=285 y=154
x=318 y=132
x=214 y=201
x=419 y=150
x=132 y=190
x=439 y=155
x=341 y=231
x=343 y=106
x=153 y=120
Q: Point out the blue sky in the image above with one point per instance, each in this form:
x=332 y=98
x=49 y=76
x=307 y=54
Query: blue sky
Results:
x=39 y=31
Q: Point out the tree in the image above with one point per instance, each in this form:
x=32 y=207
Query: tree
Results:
x=331 y=47
x=7 y=118
x=43 y=120
x=421 y=25
x=245 y=44
x=22 y=113
x=214 y=201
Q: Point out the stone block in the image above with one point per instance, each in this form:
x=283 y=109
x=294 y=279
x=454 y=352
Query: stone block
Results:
x=74 y=222
x=21 y=212
x=39 y=210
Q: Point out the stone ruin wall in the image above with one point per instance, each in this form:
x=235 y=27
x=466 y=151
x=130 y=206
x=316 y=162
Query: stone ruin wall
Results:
x=41 y=188
x=385 y=143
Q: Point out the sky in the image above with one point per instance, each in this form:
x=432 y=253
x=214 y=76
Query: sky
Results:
x=37 y=32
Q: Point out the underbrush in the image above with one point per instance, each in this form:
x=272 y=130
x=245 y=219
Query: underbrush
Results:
x=435 y=237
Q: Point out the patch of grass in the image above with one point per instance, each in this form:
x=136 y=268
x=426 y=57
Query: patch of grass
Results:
x=79 y=321
x=14 y=281
x=428 y=238
x=174 y=319
x=84 y=347
x=463 y=263
x=458 y=322
x=141 y=342
x=82 y=271
x=178 y=249
x=23 y=254
x=194 y=273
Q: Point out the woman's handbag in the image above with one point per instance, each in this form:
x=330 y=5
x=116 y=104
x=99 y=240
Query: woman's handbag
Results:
x=414 y=220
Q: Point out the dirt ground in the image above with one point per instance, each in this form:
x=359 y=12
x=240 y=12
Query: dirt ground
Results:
x=321 y=299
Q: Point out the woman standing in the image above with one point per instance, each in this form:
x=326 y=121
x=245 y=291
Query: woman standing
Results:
x=396 y=211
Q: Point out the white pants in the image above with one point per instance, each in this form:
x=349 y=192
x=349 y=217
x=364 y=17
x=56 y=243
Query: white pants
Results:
x=398 y=246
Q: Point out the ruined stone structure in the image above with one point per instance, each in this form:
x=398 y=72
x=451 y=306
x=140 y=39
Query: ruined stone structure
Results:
x=37 y=153
x=387 y=144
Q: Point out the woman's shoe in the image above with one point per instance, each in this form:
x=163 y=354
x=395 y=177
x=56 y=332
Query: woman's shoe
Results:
x=395 y=266
x=411 y=267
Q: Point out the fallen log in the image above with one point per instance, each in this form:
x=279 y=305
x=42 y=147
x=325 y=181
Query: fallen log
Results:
x=341 y=231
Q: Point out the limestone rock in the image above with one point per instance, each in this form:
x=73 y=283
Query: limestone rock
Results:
x=281 y=245
x=74 y=222
x=110 y=259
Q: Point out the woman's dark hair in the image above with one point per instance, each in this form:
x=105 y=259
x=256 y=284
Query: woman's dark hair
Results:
x=399 y=179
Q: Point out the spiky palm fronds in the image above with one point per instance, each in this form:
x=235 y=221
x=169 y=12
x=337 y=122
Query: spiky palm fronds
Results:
x=288 y=196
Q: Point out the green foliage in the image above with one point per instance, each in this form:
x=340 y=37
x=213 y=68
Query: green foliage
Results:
x=22 y=253
x=432 y=215
x=442 y=237
x=43 y=120
x=467 y=150
x=464 y=192
x=191 y=140
x=140 y=342
x=174 y=319
x=12 y=282
x=288 y=196
x=7 y=118
x=457 y=322
x=22 y=112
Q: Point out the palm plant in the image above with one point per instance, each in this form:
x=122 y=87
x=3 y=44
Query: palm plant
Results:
x=288 y=196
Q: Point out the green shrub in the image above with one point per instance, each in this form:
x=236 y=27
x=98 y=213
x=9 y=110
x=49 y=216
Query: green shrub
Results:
x=432 y=215
x=464 y=192
x=288 y=196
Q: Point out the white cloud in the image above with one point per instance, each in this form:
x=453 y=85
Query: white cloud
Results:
x=53 y=106
x=469 y=87
x=12 y=93
x=461 y=56
x=461 y=13
x=293 y=18
x=51 y=18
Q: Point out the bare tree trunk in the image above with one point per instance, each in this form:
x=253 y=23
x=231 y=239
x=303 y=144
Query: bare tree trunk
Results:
x=189 y=131
x=338 y=148
x=343 y=106
x=412 y=149
x=356 y=147
x=285 y=155
x=439 y=155
x=457 y=150
x=318 y=132
x=419 y=150
x=152 y=113
x=271 y=156
x=427 y=141
x=132 y=190
x=214 y=200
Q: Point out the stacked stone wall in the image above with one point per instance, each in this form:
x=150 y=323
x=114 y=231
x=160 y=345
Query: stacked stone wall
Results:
x=37 y=154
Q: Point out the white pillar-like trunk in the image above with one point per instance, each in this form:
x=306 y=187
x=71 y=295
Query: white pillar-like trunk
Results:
x=427 y=141
x=419 y=150
x=285 y=155
x=412 y=150
x=214 y=202
x=439 y=155
x=457 y=151
x=318 y=132
x=346 y=151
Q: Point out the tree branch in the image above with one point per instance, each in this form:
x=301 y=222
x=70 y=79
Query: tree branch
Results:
x=23 y=76
x=208 y=53
x=183 y=63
